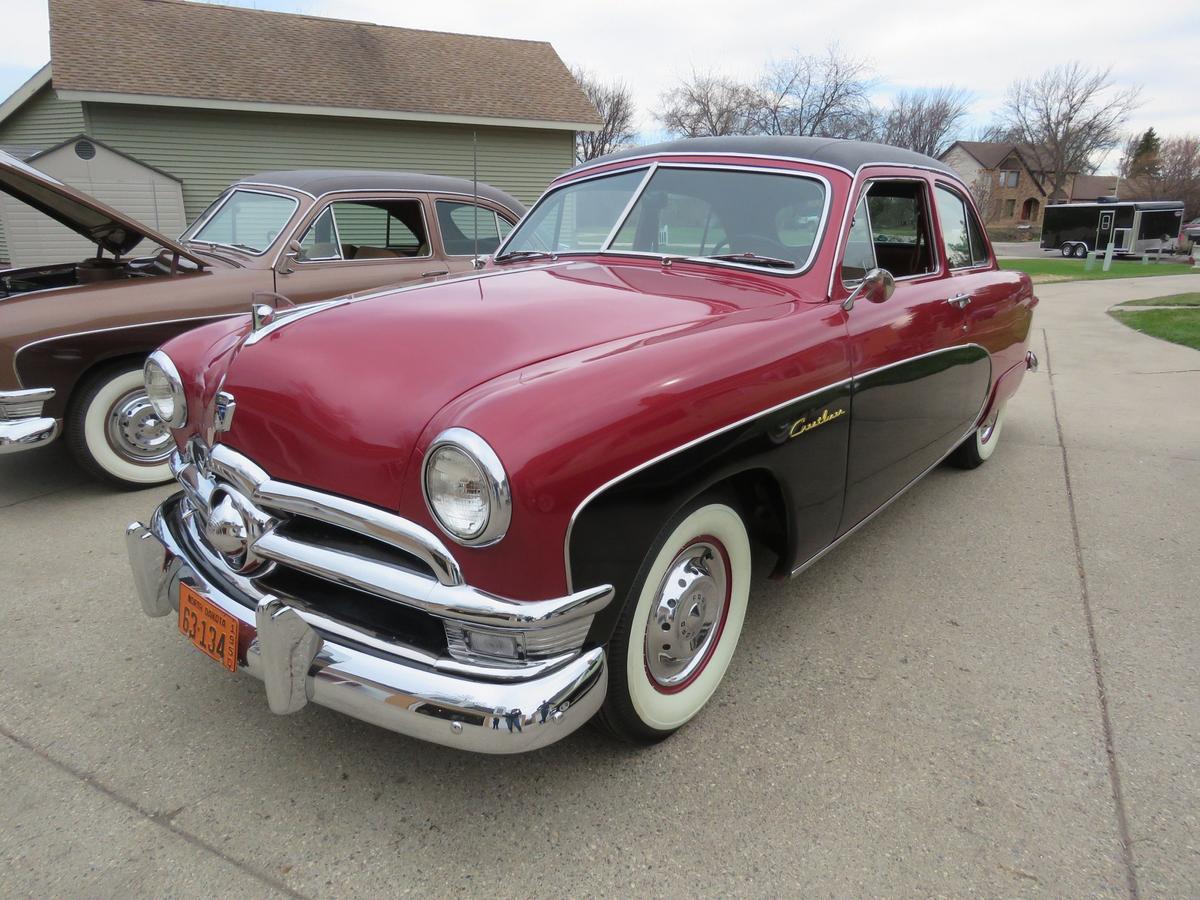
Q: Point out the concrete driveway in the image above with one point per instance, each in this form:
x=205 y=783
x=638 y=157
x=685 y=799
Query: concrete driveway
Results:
x=991 y=689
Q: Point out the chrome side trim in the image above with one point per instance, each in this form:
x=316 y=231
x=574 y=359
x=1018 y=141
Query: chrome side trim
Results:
x=75 y=334
x=28 y=395
x=750 y=418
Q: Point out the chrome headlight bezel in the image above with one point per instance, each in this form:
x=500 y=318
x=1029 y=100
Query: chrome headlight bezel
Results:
x=159 y=360
x=495 y=481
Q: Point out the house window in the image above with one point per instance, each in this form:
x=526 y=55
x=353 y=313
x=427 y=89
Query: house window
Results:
x=1009 y=178
x=1029 y=210
x=1010 y=208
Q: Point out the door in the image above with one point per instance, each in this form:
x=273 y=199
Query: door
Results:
x=1104 y=231
x=918 y=381
x=358 y=244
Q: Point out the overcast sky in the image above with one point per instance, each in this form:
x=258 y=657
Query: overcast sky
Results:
x=913 y=44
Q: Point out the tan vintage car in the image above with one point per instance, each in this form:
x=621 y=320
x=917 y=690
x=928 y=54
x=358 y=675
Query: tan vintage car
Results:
x=74 y=335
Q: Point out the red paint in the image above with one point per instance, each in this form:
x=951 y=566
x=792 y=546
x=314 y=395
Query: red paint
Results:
x=574 y=372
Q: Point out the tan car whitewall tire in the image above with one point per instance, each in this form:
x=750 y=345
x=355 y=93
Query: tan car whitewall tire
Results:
x=671 y=650
x=113 y=432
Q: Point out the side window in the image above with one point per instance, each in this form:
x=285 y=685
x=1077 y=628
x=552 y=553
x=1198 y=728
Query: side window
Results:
x=380 y=229
x=860 y=249
x=320 y=240
x=953 y=215
x=504 y=225
x=461 y=223
x=900 y=227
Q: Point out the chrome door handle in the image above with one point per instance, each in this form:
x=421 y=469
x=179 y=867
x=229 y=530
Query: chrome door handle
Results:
x=435 y=274
x=960 y=300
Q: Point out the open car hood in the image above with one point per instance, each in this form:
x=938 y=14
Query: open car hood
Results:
x=114 y=231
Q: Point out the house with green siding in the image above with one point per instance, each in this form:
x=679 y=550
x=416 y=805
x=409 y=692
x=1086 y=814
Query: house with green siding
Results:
x=211 y=94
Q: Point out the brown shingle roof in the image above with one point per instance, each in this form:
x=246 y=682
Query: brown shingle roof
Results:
x=1089 y=187
x=991 y=153
x=173 y=48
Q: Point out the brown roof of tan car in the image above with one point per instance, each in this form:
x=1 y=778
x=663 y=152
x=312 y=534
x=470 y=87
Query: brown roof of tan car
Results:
x=171 y=48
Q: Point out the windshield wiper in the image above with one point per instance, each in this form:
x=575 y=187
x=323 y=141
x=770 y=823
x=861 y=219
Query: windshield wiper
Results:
x=524 y=254
x=753 y=259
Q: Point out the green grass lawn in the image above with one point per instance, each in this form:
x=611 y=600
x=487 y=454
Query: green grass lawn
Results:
x=1191 y=299
x=1179 y=326
x=1049 y=270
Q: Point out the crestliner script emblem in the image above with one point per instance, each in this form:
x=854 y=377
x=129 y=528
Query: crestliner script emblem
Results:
x=223 y=409
x=800 y=426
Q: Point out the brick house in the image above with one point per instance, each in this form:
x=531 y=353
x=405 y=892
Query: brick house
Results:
x=1012 y=181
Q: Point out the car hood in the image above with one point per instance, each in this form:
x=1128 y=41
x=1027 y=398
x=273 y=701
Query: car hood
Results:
x=337 y=398
x=113 y=230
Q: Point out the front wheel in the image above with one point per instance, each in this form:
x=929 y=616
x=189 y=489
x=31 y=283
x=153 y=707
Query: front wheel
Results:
x=113 y=431
x=1081 y=251
x=1068 y=249
x=675 y=638
x=979 y=447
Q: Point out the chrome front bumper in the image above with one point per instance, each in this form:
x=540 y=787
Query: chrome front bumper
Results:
x=298 y=663
x=22 y=426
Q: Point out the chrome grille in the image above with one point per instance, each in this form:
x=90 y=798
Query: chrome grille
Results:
x=338 y=558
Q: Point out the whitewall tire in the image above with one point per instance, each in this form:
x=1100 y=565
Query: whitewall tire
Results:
x=979 y=447
x=113 y=432
x=678 y=632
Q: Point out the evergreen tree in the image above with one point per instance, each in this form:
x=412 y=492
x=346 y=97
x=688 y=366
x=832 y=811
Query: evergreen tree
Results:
x=1147 y=157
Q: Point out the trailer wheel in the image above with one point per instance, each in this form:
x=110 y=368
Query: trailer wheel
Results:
x=1081 y=251
x=1068 y=249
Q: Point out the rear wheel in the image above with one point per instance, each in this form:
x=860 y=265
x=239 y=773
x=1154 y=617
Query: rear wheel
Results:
x=1081 y=251
x=113 y=431
x=676 y=636
x=1068 y=249
x=979 y=447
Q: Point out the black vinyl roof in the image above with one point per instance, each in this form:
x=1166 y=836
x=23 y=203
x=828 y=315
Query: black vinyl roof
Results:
x=324 y=181
x=848 y=155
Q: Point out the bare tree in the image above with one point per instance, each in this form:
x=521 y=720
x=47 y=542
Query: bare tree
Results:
x=982 y=189
x=1068 y=114
x=707 y=104
x=924 y=120
x=1177 y=176
x=813 y=95
x=614 y=101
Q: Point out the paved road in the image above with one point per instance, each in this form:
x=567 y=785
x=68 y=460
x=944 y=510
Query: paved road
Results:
x=992 y=689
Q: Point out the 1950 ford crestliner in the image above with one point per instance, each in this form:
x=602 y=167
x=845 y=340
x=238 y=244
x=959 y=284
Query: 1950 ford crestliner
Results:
x=491 y=509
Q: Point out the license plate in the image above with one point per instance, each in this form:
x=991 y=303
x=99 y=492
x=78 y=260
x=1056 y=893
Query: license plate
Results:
x=211 y=629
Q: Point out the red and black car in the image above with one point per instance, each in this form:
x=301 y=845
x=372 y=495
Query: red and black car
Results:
x=485 y=511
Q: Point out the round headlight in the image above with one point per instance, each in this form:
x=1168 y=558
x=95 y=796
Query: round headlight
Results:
x=466 y=488
x=164 y=388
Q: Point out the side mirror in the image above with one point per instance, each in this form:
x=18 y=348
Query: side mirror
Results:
x=877 y=286
x=290 y=255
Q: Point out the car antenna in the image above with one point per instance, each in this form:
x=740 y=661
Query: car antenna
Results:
x=475 y=194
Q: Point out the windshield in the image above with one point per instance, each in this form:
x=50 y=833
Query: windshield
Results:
x=761 y=219
x=246 y=220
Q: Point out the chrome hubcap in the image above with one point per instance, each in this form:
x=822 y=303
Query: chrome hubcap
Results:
x=135 y=431
x=684 y=621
